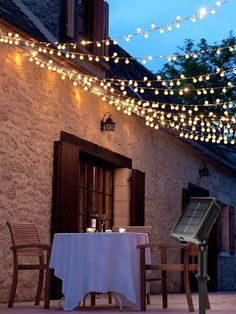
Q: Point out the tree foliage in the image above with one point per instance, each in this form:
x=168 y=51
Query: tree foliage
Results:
x=207 y=62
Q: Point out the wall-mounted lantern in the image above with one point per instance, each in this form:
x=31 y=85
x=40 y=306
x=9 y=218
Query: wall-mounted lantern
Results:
x=107 y=124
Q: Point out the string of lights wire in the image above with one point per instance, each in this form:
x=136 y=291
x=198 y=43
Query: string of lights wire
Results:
x=76 y=78
x=149 y=110
x=172 y=81
x=126 y=60
x=45 y=48
x=181 y=91
x=146 y=33
x=16 y=39
x=128 y=105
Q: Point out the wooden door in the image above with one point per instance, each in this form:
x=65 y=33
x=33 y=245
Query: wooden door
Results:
x=65 y=216
x=65 y=188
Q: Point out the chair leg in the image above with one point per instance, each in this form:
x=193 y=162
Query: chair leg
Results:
x=148 y=298
x=13 y=287
x=164 y=289
x=109 y=297
x=188 y=291
x=40 y=287
x=208 y=306
x=84 y=301
x=47 y=288
x=142 y=280
x=93 y=298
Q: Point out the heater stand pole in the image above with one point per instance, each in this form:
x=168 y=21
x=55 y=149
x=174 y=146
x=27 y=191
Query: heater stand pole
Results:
x=202 y=277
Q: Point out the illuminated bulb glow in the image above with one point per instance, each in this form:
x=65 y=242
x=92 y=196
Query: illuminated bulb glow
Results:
x=203 y=12
x=73 y=55
x=88 y=85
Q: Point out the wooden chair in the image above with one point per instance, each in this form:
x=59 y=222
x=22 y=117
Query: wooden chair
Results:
x=26 y=243
x=140 y=229
x=189 y=265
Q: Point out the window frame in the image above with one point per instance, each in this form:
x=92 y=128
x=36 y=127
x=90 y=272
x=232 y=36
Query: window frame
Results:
x=85 y=213
x=96 y=17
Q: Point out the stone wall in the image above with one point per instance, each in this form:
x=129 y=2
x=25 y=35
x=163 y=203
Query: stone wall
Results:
x=121 y=206
x=35 y=106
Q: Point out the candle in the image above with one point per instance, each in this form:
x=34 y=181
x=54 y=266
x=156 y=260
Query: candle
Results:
x=122 y=230
x=90 y=229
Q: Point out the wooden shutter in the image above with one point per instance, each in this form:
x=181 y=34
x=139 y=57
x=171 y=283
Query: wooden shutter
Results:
x=100 y=20
x=65 y=193
x=137 y=206
x=70 y=18
x=82 y=13
x=106 y=27
x=231 y=229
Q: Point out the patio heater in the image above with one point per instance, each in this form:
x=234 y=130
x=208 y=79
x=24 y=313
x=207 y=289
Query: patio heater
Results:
x=194 y=225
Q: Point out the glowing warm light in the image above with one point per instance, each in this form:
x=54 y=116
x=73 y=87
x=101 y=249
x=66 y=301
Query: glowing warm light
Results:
x=75 y=54
x=187 y=121
x=153 y=27
x=203 y=12
x=18 y=59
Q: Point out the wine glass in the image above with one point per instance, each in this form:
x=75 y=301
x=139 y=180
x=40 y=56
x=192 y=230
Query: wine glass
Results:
x=103 y=221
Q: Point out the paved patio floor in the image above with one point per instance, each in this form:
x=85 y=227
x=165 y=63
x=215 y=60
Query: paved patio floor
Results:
x=221 y=303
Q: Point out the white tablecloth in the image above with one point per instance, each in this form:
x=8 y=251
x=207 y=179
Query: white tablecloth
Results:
x=99 y=262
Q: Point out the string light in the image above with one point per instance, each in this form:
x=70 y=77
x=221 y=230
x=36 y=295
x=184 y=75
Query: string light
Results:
x=181 y=91
x=168 y=58
x=82 y=56
x=208 y=127
x=146 y=33
x=172 y=82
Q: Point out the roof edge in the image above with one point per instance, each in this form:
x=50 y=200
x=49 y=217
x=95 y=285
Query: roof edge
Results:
x=35 y=20
x=207 y=152
x=213 y=155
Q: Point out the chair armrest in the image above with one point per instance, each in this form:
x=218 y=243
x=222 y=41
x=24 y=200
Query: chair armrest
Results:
x=163 y=246
x=31 y=246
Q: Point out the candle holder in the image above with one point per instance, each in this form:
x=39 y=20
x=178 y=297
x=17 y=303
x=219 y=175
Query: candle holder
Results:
x=121 y=230
x=90 y=230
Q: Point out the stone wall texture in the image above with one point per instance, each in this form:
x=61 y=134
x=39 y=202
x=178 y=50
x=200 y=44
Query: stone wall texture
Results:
x=35 y=107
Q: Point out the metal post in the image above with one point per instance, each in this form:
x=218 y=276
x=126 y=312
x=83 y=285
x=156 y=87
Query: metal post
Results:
x=202 y=277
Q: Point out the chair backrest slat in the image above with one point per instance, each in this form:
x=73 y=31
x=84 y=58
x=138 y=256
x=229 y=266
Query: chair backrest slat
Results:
x=23 y=234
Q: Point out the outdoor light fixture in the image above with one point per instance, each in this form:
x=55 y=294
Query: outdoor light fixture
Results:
x=204 y=172
x=194 y=225
x=197 y=219
x=107 y=123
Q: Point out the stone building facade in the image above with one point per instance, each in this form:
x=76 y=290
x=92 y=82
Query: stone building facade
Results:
x=36 y=105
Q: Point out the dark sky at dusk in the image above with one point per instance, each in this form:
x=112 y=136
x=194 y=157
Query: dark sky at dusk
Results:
x=127 y=15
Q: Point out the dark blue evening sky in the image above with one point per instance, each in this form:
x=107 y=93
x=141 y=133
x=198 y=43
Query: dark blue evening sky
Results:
x=127 y=15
